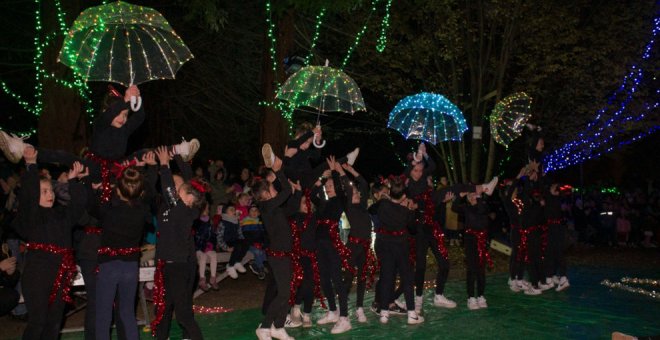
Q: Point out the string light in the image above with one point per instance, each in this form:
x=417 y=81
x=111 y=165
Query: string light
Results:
x=605 y=135
x=620 y=285
x=271 y=37
x=384 y=26
x=210 y=310
x=509 y=117
x=635 y=280
x=358 y=37
x=428 y=116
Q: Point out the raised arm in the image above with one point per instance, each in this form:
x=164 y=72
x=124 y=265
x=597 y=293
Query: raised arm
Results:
x=28 y=197
x=184 y=167
x=284 y=194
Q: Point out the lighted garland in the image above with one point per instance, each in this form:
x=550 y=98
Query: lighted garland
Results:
x=621 y=285
x=604 y=135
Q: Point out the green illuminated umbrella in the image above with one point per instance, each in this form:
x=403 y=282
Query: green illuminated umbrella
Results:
x=123 y=43
x=509 y=117
x=323 y=88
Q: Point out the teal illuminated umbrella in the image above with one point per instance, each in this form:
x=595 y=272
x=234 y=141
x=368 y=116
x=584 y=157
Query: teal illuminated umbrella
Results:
x=429 y=117
x=509 y=117
x=123 y=43
x=324 y=89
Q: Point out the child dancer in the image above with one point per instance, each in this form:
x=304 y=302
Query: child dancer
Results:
x=332 y=253
x=175 y=252
x=429 y=233
x=476 y=254
x=206 y=235
x=270 y=203
x=396 y=218
x=49 y=263
x=305 y=221
x=255 y=237
x=231 y=239
x=514 y=205
x=122 y=221
x=359 y=238
x=555 y=260
x=530 y=231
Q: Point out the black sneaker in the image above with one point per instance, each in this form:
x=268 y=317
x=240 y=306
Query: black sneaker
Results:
x=261 y=275
x=374 y=308
x=253 y=269
x=397 y=310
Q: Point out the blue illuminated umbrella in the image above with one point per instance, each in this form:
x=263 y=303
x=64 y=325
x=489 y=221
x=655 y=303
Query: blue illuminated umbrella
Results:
x=429 y=117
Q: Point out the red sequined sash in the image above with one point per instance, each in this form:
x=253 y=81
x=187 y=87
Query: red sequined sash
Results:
x=159 y=296
x=428 y=219
x=484 y=255
x=342 y=250
x=118 y=251
x=523 y=254
x=108 y=167
x=65 y=273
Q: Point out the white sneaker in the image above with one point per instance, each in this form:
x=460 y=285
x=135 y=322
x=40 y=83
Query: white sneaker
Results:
x=523 y=284
x=362 y=318
x=489 y=187
x=269 y=156
x=231 y=271
x=306 y=320
x=419 y=302
x=513 y=285
x=187 y=149
x=12 y=146
x=296 y=315
x=481 y=301
x=440 y=300
x=330 y=317
x=280 y=333
x=532 y=291
x=472 y=304
x=414 y=318
x=342 y=326
x=543 y=287
x=239 y=267
x=263 y=333
x=291 y=323
x=352 y=156
x=563 y=284
x=384 y=316
x=555 y=280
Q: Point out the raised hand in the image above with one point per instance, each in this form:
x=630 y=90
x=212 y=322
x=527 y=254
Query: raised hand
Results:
x=289 y=152
x=149 y=158
x=131 y=91
x=449 y=196
x=295 y=186
x=277 y=165
x=163 y=155
x=77 y=171
x=331 y=162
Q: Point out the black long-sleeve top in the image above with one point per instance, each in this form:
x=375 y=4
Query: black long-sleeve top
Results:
x=417 y=187
x=308 y=236
x=123 y=222
x=394 y=217
x=330 y=209
x=552 y=208
x=274 y=216
x=48 y=225
x=175 y=220
x=532 y=213
x=510 y=207
x=476 y=216
x=301 y=160
x=110 y=142
x=357 y=213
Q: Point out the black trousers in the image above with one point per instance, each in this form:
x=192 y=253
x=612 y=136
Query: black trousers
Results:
x=8 y=299
x=305 y=293
x=331 y=277
x=44 y=318
x=555 y=253
x=393 y=256
x=271 y=289
x=476 y=273
x=241 y=248
x=534 y=264
x=516 y=266
x=179 y=281
x=279 y=306
x=357 y=260
x=423 y=241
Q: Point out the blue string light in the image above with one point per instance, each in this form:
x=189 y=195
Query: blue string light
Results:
x=614 y=124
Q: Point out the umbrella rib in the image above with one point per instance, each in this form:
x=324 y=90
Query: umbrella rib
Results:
x=144 y=54
x=91 y=60
x=112 y=48
x=82 y=44
x=161 y=49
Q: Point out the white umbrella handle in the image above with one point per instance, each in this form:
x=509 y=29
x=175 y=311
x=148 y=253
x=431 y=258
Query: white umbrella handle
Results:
x=415 y=157
x=318 y=146
x=136 y=103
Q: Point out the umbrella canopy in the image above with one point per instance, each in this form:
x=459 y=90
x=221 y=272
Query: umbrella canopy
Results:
x=429 y=117
x=509 y=117
x=123 y=43
x=323 y=88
